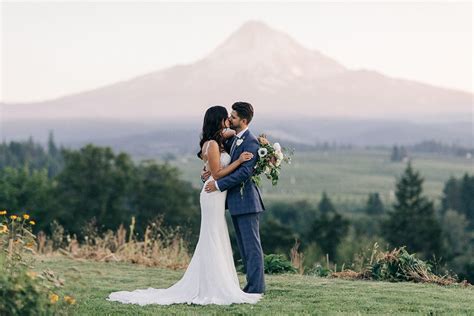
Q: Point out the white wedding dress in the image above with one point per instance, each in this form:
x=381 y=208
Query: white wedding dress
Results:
x=211 y=277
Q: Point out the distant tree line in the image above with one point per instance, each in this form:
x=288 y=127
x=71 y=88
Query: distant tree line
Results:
x=397 y=152
x=433 y=146
x=401 y=153
x=33 y=155
x=93 y=184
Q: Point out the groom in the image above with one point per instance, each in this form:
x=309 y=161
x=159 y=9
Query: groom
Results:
x=244 y=207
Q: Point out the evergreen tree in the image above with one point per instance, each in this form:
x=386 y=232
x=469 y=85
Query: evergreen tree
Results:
x=413 y=222
x=328 y=229
x=451 y=195
x=458 y=243
x=398 y=153
x=395 y=154
x=374 y=204
x=18 y=154
x=325 y=205
x=52 y=148
x=467 y=198
x=458 y=194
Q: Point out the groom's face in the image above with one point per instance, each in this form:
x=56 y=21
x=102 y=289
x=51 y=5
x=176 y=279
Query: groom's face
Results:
x=235 y=121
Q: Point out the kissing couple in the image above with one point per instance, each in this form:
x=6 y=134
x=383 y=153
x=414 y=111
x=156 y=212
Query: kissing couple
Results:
x=228 y=150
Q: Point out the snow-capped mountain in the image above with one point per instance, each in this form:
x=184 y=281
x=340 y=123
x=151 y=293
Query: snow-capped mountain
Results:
x=265 y=67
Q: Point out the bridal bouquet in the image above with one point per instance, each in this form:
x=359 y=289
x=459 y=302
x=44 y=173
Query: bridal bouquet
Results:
x=270 y=157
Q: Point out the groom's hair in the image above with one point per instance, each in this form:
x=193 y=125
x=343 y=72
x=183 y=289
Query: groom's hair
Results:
x=244 y=110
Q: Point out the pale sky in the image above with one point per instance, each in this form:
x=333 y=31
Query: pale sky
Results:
x=51 y=49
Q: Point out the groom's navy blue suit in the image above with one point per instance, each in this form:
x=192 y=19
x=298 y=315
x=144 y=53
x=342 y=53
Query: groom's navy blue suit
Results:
x=245 y=209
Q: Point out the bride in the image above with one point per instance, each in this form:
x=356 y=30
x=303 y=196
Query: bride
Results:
x=211 y=277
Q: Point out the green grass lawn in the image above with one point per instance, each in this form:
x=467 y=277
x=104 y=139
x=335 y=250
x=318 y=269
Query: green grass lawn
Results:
x=91 y=282
x=348 y=176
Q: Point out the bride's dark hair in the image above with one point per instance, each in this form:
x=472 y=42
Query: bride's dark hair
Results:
x=212 y=126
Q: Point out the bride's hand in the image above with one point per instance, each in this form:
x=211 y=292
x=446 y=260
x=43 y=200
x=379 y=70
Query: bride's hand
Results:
x=245 y=156
x=228 y=133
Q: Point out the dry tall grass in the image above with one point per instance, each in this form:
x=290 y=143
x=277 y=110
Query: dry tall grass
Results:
x=160 y=247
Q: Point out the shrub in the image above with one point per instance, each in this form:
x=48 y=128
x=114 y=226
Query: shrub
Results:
x=399 y=265
x=276 y=264
x=319 y=270
x=23 y=291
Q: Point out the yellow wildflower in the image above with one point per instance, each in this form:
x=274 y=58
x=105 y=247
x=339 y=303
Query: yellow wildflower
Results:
x=26 y=216
x=53 y=298
x=3 y=228
x=32 y=222
x=70 y=300
x=32 y=274
x=4 y=212
x=13 y=217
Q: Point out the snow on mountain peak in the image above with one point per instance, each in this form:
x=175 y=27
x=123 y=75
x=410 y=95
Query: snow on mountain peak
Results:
x=257 y=48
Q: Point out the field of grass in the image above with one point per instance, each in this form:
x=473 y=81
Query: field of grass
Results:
x=91 y=282
x=348 y=175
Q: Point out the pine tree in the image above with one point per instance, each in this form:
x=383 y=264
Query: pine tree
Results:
x=374 y=204
x=325 y=205
x=328 y=229
x=413 y=222
x=52 y=148
x=467 y=198
x=395 y=154
x=451 y=195
x=458 y=194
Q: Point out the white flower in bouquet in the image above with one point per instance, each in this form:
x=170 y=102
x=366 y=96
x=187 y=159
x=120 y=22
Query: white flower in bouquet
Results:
x=262 y=152
x=277 y=147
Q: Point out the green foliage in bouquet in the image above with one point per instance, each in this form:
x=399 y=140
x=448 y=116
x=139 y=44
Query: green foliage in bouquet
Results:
x=269 y=160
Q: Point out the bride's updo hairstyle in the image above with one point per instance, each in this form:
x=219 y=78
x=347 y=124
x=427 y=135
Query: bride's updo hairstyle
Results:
x=212 y=126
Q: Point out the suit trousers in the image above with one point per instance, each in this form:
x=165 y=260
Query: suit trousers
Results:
x=248 y=240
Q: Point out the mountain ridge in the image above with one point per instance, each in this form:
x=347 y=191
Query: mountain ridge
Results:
x=263 y=66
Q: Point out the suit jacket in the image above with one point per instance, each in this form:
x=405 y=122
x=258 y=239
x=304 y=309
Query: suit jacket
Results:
x=251 y=199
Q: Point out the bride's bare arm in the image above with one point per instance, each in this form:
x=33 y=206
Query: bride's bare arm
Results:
x=213 y=156
x=228 y=133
